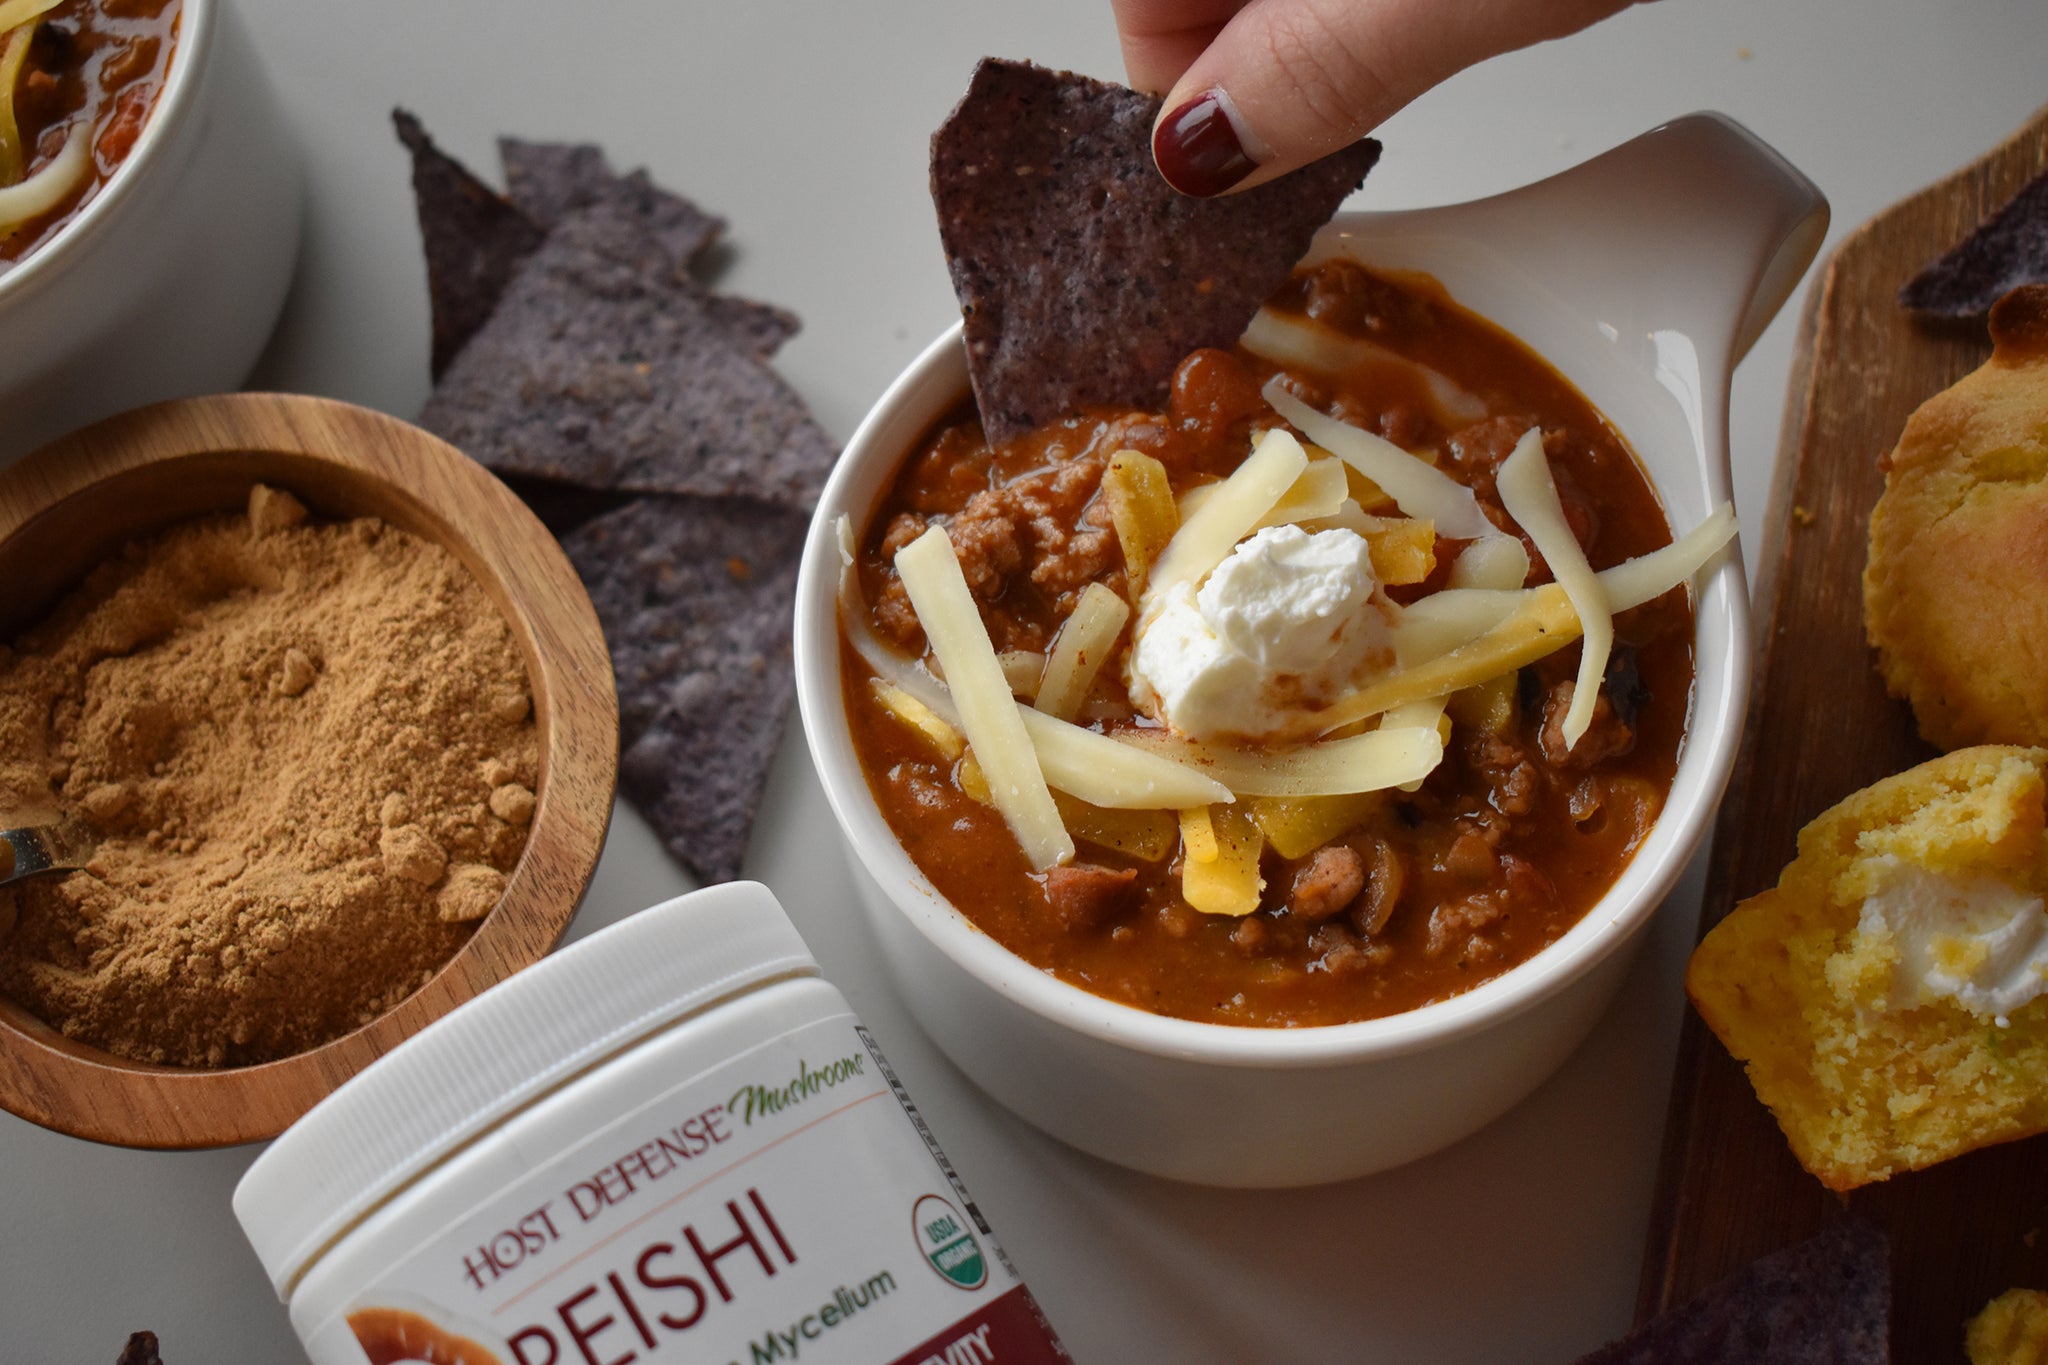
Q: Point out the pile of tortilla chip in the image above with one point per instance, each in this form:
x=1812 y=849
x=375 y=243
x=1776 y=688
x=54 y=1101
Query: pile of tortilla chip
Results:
x=1826 y=1301
x=580 y=355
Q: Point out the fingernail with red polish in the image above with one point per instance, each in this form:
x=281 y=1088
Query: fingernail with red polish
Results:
x=1198 y=150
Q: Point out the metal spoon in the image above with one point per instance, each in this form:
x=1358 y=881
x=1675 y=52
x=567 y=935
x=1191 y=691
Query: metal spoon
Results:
x=35 y=849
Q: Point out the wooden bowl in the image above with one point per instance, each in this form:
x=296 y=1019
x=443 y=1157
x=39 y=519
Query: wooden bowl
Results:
x=74 y=502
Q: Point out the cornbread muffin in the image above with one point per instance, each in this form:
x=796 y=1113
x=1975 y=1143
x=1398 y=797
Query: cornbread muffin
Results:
x=2012 y=1330
x=1955 y=596
x=1886 y=995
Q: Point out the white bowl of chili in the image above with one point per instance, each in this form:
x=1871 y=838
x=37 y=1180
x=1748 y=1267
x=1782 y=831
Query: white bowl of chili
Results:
x=1580 y=267
x=162 y=260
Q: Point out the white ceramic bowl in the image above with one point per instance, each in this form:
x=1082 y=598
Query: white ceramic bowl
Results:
x=167 y=284
x=1642 y=275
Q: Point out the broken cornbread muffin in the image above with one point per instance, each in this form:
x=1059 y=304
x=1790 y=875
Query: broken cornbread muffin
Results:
x=2012 y=1330
x=1953 y=595
x=1889 y=996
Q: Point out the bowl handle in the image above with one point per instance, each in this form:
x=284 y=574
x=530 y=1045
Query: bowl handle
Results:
x=1697 y=226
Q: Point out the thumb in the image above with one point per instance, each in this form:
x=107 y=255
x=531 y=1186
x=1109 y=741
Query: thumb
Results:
x=1287 y=81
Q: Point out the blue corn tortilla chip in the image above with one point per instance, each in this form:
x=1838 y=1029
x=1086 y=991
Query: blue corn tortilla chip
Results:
x=760 y=327
x=1085 y=278
x=562 y=507
x=1826 y=1301
x=695 y=596
x=2008 y=249
x=550 y=181
x=473 y=237
x=597 y=371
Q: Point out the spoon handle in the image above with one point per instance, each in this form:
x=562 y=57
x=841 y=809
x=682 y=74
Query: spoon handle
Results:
x=36 y=849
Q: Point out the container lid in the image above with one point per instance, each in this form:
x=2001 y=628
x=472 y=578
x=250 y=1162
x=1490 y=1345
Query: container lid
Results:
x=463 y=1074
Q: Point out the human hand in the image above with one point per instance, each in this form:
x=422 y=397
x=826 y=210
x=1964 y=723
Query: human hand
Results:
x=1256 y=88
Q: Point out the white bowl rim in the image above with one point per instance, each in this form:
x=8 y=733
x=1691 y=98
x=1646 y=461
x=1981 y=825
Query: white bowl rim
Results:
x=1606 y=927
x=197 y=20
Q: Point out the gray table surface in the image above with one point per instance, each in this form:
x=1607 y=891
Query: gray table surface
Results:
x=806 y=125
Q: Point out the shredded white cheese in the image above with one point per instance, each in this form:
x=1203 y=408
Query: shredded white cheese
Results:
x=1104 y=773
x=1491 y=562
x=1418 y=488
x=1525 y=626
x=1417 y=714
x=1321 y=491
x=988 y=713
x=1305 y=344
x=1333 y=767
x=1529 y=494
x=1648 y=577
x=15 y=13
x=1447 y=620
x=46 y=189
x=1080 y=650
x=1025 y=668
x=1228 y=515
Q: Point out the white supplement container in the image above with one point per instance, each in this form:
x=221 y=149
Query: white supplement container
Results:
x=671 y=1142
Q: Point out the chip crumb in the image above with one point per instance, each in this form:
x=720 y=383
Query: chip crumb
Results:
x=739 y=568
x=1802 y=515
x=1743 y=54
x=273 y=509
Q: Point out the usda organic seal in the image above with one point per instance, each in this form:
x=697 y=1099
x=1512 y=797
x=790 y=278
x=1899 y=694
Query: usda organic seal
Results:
x=947 y=1241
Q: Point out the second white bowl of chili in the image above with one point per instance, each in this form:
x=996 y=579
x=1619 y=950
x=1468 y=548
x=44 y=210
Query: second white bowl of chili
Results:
x=160 y=261
x=1360 y=1016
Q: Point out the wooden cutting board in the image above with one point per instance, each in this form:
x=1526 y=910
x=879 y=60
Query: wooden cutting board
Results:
x=1821 y=726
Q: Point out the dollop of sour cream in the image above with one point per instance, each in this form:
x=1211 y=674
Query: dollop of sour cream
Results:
x=1281 y=628
x=1975 y=940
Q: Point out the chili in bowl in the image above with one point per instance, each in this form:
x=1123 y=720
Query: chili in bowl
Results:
x=1318 y=802
x=149 y=208
x=79 y=79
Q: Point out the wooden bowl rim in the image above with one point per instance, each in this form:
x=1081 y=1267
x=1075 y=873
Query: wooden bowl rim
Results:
x=86 y=1092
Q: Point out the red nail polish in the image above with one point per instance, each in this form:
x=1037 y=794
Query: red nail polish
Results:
x=1197 y=149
